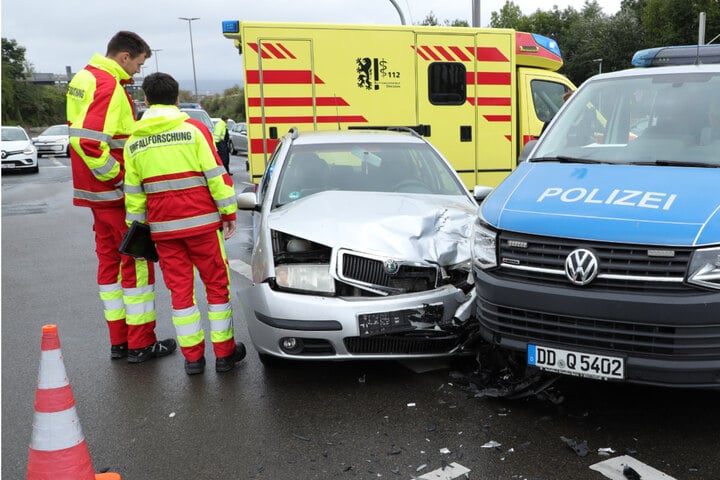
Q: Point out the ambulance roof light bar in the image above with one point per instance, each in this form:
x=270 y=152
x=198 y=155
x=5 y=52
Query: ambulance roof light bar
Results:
x=677 y=55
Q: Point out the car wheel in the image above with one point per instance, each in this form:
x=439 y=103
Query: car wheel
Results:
x=67 y=151
x=271 y=361
x=231 y=147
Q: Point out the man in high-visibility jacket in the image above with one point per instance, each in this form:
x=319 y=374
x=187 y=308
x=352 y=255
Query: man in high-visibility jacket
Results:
x=100 y=116
x=175 y=182
x=221 y=137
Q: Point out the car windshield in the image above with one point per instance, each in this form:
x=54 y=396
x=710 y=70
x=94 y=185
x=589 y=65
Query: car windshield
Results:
x=56 y=130
x=13 y=135
x=367 y=167
x=200 y=115
x=661 y=119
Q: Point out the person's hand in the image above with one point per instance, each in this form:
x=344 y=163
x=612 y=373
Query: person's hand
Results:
x=228 y=228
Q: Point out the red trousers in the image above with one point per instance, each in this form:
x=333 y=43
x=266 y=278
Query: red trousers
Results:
x=178 y=260
x=127 y=285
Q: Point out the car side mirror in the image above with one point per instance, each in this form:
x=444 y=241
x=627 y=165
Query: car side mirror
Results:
x=247 y=201
x=481 y=191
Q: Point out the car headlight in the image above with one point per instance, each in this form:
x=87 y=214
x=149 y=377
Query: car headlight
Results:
x=305 y=277
x=29 y=150
x=483 y=245
x=704 y=268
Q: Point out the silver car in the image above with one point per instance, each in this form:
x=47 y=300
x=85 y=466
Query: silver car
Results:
x=54 y=140
x=361 y=250
x=18 y=151
x=238 y=138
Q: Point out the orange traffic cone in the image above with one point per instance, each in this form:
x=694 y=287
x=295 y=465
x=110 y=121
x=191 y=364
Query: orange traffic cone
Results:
x=57 y=447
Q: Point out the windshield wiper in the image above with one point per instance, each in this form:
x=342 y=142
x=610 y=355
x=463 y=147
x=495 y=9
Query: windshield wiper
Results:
x=674 y=163
x=564 y=159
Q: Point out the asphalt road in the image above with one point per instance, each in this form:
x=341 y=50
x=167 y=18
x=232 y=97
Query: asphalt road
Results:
x=360 y=420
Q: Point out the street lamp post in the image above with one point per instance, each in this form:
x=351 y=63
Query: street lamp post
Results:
x=156 y=60
x=192 y=51
x=599 y=62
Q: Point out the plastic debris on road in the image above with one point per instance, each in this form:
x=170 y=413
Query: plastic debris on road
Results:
x=626 y=467
x=579 y=447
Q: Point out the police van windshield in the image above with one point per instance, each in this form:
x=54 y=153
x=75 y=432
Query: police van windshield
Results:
x=653 y=119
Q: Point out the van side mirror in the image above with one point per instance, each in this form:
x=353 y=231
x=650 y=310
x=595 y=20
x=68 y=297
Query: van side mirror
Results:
x=525 y=153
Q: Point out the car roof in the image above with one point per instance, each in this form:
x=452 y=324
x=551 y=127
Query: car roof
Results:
x=673 y=69
x=354 y=136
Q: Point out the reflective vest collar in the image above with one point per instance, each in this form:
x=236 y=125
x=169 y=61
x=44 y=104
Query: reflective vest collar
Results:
x=111 y=66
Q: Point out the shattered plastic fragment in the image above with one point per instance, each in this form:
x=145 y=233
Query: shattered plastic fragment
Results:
x=605 y=451
x=412 y=404
x=444 y=450
x=172 y=414
x=491 y=444
x=421 y=467
x=581 y=448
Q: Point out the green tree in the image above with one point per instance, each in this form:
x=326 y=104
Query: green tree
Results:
x=432 y=20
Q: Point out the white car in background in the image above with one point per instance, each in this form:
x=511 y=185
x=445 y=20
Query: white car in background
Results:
x=18 y=151
x=54 y=140
x=361 y=250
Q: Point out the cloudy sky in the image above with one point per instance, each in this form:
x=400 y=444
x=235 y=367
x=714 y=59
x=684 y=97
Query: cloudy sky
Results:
x=64 y=33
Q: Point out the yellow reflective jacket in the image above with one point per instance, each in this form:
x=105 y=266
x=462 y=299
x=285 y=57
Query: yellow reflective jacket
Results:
x=174 y=180
x=100 y=116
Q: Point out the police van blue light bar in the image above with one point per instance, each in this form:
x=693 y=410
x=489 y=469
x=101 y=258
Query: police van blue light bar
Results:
x=677 y=55
x=230 y=26
x=547 y=43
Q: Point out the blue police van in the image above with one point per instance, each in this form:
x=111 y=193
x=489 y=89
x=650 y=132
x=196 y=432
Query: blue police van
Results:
x=599 y=256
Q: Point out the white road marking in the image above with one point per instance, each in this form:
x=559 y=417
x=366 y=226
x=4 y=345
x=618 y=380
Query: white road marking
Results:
x=242 y=268
x=450 y=472
x=613 y=469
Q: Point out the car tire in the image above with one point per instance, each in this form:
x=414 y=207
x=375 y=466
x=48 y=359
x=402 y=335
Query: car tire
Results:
x=35 y=169
x=271 y=361
x=232 y=148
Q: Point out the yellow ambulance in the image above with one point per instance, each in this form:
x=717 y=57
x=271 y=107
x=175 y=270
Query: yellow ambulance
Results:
x=477 y=94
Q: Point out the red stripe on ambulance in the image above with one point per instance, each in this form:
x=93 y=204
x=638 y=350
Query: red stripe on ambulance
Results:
x=293 y=119
x=298 y=102
x=282 y=77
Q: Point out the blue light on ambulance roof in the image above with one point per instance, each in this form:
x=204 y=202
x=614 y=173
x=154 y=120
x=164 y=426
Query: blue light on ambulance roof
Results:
x=230 y=26
x=547 y=43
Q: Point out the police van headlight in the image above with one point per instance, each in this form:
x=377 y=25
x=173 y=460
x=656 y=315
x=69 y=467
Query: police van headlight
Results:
x=484 y=245
x=704 y=268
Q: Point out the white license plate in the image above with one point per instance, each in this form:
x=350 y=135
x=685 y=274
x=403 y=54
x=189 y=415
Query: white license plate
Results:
x=576 y=363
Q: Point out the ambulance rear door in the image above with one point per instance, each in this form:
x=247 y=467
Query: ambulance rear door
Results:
x=445 y=97
x=280 y=89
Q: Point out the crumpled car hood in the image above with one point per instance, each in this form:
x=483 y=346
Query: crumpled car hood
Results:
x=403 y=226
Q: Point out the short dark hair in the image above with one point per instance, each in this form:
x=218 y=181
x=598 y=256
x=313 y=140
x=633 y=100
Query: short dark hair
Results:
x=160 y=89
x=130 y=42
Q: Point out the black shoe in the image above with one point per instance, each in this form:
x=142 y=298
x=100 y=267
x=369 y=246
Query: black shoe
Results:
x=193 y=368
x=118 y=351
x=160 y=348
x=225 y=364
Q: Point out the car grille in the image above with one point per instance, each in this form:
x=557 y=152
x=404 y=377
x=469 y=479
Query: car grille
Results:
x=370 y=272
x=412 y=343
x=686 y=342
x=625 y=268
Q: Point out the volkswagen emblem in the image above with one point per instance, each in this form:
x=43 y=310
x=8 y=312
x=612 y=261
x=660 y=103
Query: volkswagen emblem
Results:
x=581 y=266
x=391 y=266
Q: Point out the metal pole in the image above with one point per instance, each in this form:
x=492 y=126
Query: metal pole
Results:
x=156 y=58
x=402 y=17
x=701 y=29
x=192 y=50
x=476 y=13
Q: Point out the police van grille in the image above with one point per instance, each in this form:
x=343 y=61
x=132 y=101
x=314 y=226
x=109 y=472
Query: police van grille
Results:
x=544 y=255
x=370 y=271
x=413 y=343
x=686 y=342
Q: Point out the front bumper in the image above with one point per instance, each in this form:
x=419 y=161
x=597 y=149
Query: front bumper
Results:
x=328 y=327
x=666 y=340
x=16 y=162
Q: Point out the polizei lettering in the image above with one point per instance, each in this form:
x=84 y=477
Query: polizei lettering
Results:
x=160 y=139
x=624 y=198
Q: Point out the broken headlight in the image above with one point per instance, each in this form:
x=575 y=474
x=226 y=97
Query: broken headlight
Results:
x=704 y=268
x=305 y=277
x=483 y=245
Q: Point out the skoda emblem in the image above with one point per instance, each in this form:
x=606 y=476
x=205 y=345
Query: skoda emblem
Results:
x=391 y=266
x=581 y=266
